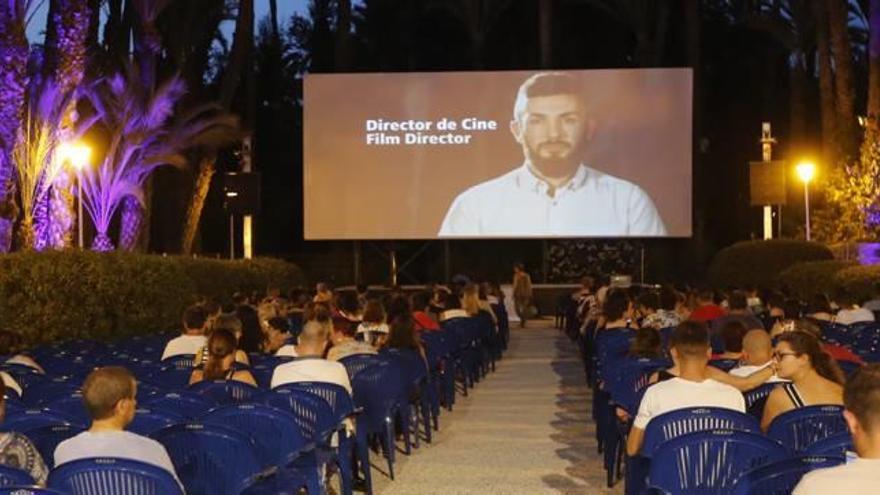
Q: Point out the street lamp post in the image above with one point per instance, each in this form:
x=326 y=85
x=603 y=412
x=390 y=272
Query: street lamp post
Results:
x=77 y=154
x=805 y=171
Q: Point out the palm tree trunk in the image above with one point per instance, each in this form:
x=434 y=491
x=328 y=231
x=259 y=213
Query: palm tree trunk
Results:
x=342 y=55
x=797 y=95
x=843 y=80
x=197 y=202
x=874 y=60
x=545 y=32
x=240 y=54
x=826 y=84
x=13 y=73
x=131 y=223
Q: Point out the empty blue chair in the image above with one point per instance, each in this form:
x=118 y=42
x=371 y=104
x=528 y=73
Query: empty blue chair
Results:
x=43 y=393
x=210 y=459
x=683 y=421
x=780 y=477
x=147 y=421
x=835 y=446
x=46 y=438
x=181 y=362
x=225 y=392
x=186 y=404
x=25 y=376
x=376 y=393
x=757 y=397
x=30 y=419
x=71 y=405
x=111 y=476
x=710 y=462
x=28 y=490
x=275 y=432
x=799 y=428
x=13 y=476
x=313 y=414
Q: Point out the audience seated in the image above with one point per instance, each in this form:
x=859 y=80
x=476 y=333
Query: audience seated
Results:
x=109 y=396
x=815 y=377
x=402 y=335
x=373 y=329
x=617 y=312
x=850 y=312
x=424 y=320
x=344 y=343
x=192 y=337
x=706 y=308
x=277 y=336
x=17 y=451
x=323 y=293
x=229 y=323
x=689 y=347
x=861 y=398
x=731 y=334
x=11 y=346
x=791 y=313
x=757 y=354
x=738 y=310
x=659 y=309
x=819 y=308
x=348 y=308
x=220 y=361
x=452 y=308
x=647 y=344
x=310 y=365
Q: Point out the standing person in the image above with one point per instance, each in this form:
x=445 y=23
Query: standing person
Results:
x=522 y=292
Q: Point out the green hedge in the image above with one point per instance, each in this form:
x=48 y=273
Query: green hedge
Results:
x=859 y=282
x=54 y=296
x=760 y=262
x=806 y=279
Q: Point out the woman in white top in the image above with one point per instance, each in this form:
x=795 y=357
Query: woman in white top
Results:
x=373 y=328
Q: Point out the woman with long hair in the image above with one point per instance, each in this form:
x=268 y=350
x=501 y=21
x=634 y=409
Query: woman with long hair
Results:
x=230 y=323
x=220 y=364
x=251 y=331
x=814 y=376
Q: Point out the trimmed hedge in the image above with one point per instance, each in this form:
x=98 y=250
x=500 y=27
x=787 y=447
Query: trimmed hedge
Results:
x=52 y=296
x=858 y=282
x=806 y=279
x=759 y=263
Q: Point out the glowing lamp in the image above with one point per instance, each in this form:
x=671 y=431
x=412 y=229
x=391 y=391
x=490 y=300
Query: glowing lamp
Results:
x=77 y=154
x=806 y=170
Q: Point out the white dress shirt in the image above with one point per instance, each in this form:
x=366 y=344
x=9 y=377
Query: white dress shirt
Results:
x=517 y=204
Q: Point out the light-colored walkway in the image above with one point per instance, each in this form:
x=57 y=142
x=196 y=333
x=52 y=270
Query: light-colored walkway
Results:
x=525 y=429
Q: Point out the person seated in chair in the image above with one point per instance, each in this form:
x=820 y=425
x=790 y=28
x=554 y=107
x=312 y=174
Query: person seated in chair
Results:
x=343 y=341
x=732 y=339
x=757 y=354
x=229 y=323
x=192 y=338
x=310 y=365
x=689 y=347
x=220 y=363
x=815 y=376
x=17 y=451
x=109 y=397
x=861 y=398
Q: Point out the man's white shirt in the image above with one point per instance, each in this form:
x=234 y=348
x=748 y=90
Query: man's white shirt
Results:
x=311 y=370
x=678 y=393
x=184 y=344
x=858 y=476
x=122 y=444
x=591 y=204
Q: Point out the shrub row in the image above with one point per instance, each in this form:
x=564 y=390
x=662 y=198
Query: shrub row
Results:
x=47 y=297
x=806 y=279
x=760 y=263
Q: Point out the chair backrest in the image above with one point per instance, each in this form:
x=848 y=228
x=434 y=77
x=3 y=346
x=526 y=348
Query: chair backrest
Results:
x=781 y=476
x=724 y=364
x=276 y=433
x=356 y=363
x=30 y=419
x=71 y=405
x=46 y=438
x=313 y=414
x=210 y=458
x=43 y=393
x=377 y=390
x=181 y=361
x=225 y=392
x=834 y=445
x=112 y=476
x=626 y=382
x=28 y=490
x=148 y=421
x=171 y=377
x=184 y=403
x=800 y=428
x=337 y=396
x=757 y=397
x=13 y=476
x=688 y=420
x=709 y=462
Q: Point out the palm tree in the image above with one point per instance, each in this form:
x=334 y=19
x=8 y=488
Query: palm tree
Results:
x=13 y=84
x=838 y=19
x=479 y=18
x=143 y=135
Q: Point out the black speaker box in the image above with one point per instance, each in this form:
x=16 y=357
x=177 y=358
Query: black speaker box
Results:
x=241 y=192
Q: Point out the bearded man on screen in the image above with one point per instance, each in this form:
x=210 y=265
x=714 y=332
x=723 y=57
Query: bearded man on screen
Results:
x=553 y=193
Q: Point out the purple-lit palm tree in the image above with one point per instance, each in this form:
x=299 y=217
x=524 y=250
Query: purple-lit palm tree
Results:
x=143 y=134
x=13 y=84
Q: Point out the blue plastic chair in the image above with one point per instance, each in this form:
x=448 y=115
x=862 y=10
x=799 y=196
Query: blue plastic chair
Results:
x=181 y=362
x=28 y=490
x=147 y=421
x=356 y=363
x=13 y=476
x=376 y=392
x=799 y=428
x=225 y=392
x=710 y=462
x=313 y=414
x=170 y=378
x=186 y=404
x=30 y=419
x=781 y=477
x=835 y=446
x=46 y=438
x=276 y=433
x=210 y=459
x=43 y=393
x=757 y=397
x=668 y=426
x=71 y=405
x=111 y=476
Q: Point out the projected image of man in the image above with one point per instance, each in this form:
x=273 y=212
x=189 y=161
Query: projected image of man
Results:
x=552 y=193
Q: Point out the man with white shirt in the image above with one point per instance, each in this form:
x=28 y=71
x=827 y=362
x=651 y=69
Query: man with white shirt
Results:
x=861 y=398
x=689 y=347
x=310 y=365
x=109 y=396
x=192 y=338
x=757 y=354
x=552 y=193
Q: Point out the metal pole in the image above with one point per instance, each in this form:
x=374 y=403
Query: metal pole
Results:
x=642 y=275
x=393 y=268
x=446 y=261
x=357 y=262
x=231 y=236
x=807 y=206
x=79 y=214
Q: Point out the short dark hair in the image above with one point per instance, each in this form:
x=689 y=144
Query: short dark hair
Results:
x=104 y=388
x=194 y=317
x=279 y=323
x=421 y=300
x=690 y=338
x=616 y=304
x=819 y=303
x=861 y=396
x=668 y=298
x=649 y=300
x=737 y=300
x=732 y=334
x=348 y=302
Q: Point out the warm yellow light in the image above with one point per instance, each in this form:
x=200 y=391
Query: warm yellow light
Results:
x=806 y=170
x=76 y=153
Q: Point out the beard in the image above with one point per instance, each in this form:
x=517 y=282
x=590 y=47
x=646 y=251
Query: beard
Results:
x=553 y=158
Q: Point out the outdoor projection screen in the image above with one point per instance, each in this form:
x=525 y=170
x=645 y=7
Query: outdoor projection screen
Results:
x=520 y=154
